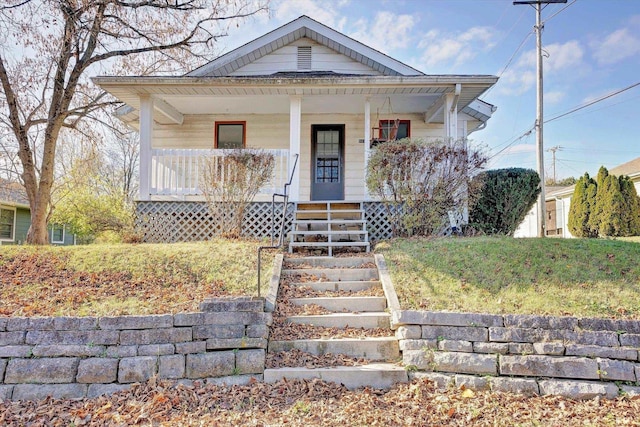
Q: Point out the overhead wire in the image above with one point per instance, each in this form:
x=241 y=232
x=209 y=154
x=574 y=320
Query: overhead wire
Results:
x=561 y=10
x=595 y=101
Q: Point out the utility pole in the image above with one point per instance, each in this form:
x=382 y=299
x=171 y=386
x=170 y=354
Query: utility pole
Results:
x=542 y=211
x=553 y=153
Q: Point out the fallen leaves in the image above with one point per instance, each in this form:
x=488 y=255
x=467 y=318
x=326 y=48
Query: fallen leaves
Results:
x=40 y=285
x=317 y=403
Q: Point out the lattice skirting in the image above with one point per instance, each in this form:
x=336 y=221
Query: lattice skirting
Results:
x=168 y=222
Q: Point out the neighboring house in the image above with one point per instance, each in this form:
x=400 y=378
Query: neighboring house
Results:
x=303 y=90
x=559 y=202
x=15 y=218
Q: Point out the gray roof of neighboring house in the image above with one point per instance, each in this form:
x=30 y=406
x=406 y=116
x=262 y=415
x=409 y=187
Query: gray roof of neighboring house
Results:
x=13 y=193
x=630 y=168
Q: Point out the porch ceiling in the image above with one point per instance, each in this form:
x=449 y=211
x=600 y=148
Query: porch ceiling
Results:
x=271 y=95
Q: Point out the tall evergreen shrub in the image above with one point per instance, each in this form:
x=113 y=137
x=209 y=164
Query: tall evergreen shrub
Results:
x=505 y=196
x=582 y=202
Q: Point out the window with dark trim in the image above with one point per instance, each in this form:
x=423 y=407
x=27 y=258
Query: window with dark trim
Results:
x=230 y=134
x=57 y=233
x=386 y=126
x=7 y=223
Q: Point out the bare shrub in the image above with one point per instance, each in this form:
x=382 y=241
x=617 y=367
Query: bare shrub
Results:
x=420 y=181
x=231 y=181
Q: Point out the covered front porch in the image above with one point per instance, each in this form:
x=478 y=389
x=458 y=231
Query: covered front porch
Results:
x=328 y=121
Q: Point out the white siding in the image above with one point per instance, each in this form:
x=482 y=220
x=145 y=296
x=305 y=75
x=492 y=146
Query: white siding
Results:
x=286 y=59
x=272 y=131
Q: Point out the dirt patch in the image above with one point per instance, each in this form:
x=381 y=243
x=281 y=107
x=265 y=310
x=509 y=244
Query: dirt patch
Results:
x=317 y=403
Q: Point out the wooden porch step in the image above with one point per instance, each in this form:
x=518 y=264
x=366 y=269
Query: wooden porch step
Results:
x=328 y=205
x=327 y=232
x=329 y=221
x=333 y=214
x=327 y=244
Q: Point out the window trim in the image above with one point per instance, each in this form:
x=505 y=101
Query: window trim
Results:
x=382 y=122
x=13 y=226
x=230 y=122
x=58 y=242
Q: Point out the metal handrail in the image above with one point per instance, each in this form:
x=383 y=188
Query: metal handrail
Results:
x=285 y=204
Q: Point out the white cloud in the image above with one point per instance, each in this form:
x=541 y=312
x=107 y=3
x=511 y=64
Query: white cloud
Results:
x=554 y=97
x=520 y=149
x=324 y=12
x=559 y=58
x=455 y=49
x=386 y=32
x=617 y=46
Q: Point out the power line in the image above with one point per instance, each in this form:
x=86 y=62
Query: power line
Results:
x=595 y=101
x=561 y=10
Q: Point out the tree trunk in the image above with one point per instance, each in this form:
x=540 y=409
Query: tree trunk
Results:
x=38 y=233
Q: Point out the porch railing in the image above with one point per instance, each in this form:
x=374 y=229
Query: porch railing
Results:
x=176 y=172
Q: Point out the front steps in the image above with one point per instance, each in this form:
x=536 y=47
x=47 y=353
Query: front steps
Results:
x=325 y=226
x=343 y=275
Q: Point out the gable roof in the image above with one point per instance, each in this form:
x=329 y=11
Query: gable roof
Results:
x=297 y=29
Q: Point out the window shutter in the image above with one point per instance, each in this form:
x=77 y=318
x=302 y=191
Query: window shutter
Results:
x=304 y=57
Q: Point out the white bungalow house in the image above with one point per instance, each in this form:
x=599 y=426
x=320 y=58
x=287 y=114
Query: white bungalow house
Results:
x=558 y=203
x=303 y=91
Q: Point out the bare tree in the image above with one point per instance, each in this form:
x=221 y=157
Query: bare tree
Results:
x=50 y=48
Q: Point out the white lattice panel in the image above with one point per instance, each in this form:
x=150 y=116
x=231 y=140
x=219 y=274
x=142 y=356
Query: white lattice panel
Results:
x=166 y=222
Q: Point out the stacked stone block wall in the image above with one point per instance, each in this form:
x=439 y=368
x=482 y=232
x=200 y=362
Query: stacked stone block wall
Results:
x=575 y=357
x=75 y=357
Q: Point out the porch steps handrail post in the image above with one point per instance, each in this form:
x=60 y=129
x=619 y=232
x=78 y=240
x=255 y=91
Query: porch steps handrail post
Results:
x=285 y=203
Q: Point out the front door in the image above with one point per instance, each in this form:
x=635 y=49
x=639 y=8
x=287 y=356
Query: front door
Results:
x=327 y=166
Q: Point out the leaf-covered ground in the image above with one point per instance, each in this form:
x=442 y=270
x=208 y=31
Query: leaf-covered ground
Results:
x=316 y=403
x=103 y=280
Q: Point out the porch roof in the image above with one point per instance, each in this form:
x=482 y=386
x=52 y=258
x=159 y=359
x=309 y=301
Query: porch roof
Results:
x=205 y=95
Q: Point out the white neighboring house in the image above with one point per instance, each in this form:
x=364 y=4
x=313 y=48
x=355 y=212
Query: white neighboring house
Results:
x=303 y=90
x=559 y=202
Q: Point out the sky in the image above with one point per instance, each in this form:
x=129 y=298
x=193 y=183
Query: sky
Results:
x=592 y=49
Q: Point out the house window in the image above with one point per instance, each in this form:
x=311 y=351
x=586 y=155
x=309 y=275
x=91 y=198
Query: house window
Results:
x=57 y=234
x=386 y=126
x=230 y=134
x=7 y=223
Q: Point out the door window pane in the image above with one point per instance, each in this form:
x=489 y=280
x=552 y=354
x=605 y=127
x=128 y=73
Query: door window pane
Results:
x=328 y=156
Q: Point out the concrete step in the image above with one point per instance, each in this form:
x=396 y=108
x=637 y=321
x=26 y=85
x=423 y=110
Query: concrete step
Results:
x=376 y=375
x=338 y=274
x=343 y=320
x=338 y=304
x=324 y=262
x=377 y=348
x=340 y=286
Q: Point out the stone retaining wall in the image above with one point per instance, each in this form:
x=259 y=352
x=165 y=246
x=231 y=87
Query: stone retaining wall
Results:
x=74 y=357
x=574 y=357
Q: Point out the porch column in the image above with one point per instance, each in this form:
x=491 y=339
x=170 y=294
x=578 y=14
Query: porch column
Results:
x=146 y=131
x=367 y=142
x=451 y=114
x=295 y=113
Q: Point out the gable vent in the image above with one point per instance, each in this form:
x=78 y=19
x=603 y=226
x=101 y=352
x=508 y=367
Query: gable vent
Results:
x=304 y=57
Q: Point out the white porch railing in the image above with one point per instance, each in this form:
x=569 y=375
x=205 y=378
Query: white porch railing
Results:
x=176 y=172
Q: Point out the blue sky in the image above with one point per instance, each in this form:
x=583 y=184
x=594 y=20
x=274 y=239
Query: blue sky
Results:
x=593 y=49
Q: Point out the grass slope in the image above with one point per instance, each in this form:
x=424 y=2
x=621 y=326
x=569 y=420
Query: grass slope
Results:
x=125 y=279
x=580 y=277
